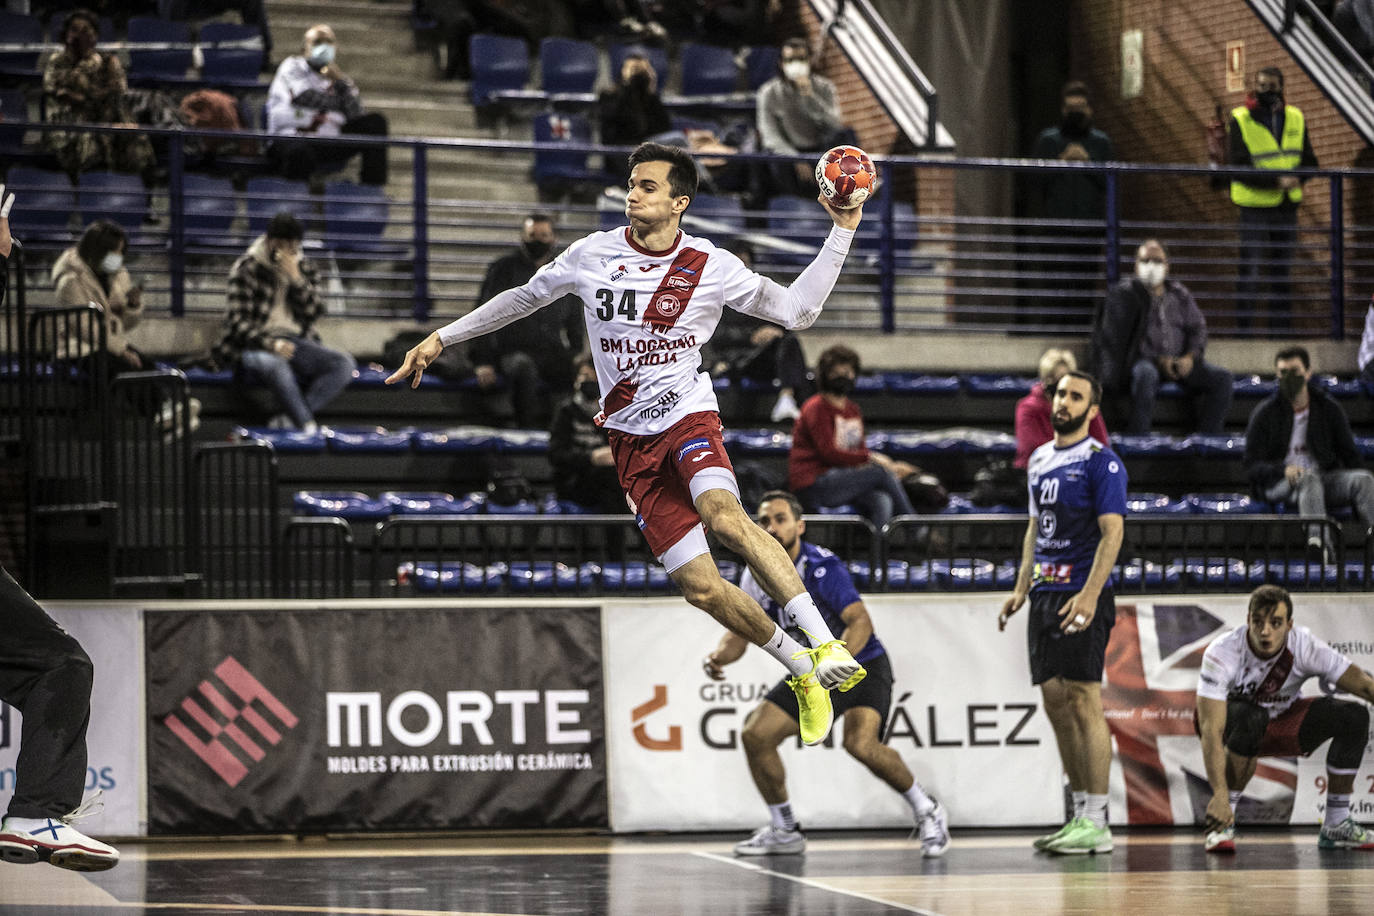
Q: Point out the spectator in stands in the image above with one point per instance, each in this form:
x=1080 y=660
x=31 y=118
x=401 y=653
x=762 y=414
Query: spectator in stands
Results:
x=311 y=97
x=1299 y=448
x=1266 y=133
x=1034 y=423
x=93 y=272
x=1153 y=331
x=83 y=86
x=580 y=450
x=1365 y=359
x=534 y=354
x=1354 y=19
x=799 y=112
x=269 y=330
x=747 y=347
x=829 y=464
x=252 y=12
x=1071 y=195
x=632 y=111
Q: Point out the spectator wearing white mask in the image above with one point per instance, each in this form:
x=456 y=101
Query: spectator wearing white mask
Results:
x=798 y=111
x=92 y=272
x=311 y=96
x=1151 y=331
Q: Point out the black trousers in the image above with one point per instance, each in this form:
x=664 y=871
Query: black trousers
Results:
x=1268 y=236
x=46 y=675
x=298 y=161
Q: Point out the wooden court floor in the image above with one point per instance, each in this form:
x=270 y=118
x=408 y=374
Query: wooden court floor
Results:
x=841 y=874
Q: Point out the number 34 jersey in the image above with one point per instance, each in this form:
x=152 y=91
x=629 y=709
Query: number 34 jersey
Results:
x=648 y=313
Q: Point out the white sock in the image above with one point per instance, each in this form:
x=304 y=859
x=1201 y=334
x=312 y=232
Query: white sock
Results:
x=1079 y=799
x=1337 y=809
x=802 y=612
x=1095 y=809
x=1234 y=796
x=782 y=816
x=783 y=648
x=921 y=803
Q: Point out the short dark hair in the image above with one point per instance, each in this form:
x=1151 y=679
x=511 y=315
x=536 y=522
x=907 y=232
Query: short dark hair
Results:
x=1075 y=88
x=100 y=238
x=1267 y=598
x=796 y=44
x=285 y=226
x=1275 y=72
x=1090 y=379
x=1294 y=351
x=90 y=18
x=838 y=355
x=537 y=217
x=792 y=502
x=682 y=171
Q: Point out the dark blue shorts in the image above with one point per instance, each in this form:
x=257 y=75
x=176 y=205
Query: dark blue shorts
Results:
x=1054 y=653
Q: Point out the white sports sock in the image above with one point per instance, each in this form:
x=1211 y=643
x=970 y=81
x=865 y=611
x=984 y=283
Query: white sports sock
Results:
x=1337 y=809
x=1095 y=809
x=1080 y=798
x=921 y=803
x=802 y=612
x=783 y=648
x=782 y=816
x=1234 y=796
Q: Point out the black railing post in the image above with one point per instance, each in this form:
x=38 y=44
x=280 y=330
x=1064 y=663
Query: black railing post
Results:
x=420 y=213
x=176 y=205
x=1337 y=258
x=887 y=284
x=1113 y=237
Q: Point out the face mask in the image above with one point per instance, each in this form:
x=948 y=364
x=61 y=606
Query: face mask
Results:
x=1151 y=274
x=1075 y=122
x=1291 y=384
x=82 y=44
x=1269 y=98
x=322 y=54
x=589 y=389
x=111 y=262
x=795 y=69
x=639 y=80
x=536 y=249
x=839 y=384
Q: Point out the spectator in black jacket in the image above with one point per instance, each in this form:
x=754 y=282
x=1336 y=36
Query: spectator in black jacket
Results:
x=1299 y=448
x=580 y=451
x=533 y=354
x=1152 y=331
x=633 y=111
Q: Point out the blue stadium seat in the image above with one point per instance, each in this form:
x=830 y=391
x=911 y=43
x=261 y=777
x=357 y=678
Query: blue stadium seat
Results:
x=959 y=504
x=198 y=375
x=567 y=65
x=707 y=69
x=1151 y=446
x=19 y=28
x=48 y=202
x=552 y=505
x=908 y=577
x=369 y=441
x=918 y=383
x=554 y=168
x=1217 y=446
x=497 y=63
x=263 y=198
x=465 y=439
x=284 y=440
x=631 y=576
x=208 y=205
x=1365 y=445
x=761 y=64
x=726 y=213
x=349 y=504
x=523 y=442
x=1294 y=573
x=355 y=218
x=1253 y=386
x=541 y=576
x=657 y=57
x=153 y=66
x=1339 y=388
x=1137 y=573
x=229 y=66
x=114 y=196
x=758 y=441
x=1154 y=504
x=1215 y=571
x=453 y=577
x=845 y=509
x=422 y=503
x=1224 y=503
x=962 y=574
x=998 y=384
x=523 y=507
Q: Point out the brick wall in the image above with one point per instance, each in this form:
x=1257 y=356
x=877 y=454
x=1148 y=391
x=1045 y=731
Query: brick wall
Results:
x=1185 y=79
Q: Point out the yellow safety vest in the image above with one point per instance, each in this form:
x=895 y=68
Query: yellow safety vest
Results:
x=1266 y=154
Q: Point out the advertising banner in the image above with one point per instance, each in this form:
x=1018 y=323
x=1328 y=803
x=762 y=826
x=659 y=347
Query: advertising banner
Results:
x=111 y=636
x=348 y=718
x=964 y=718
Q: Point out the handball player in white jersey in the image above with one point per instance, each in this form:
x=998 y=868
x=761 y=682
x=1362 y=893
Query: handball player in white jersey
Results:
x=652 y=296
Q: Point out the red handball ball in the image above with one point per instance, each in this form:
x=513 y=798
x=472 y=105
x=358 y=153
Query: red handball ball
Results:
x=847 y=177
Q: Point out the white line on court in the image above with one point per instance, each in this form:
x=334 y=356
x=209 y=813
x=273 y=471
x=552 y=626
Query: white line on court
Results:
x=810 y=882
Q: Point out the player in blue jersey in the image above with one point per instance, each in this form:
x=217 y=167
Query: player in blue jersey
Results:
x=1077 y=510
x=864 y=708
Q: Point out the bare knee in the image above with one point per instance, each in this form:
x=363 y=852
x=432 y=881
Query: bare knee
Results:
x=703 y=592
x=861 y=745
x=725 y=517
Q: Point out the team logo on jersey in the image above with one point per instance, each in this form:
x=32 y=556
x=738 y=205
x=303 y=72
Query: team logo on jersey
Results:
x=1048 y=523
x=619 y=272
x=692 y=446
x=669 y=305
x=679 y=283
x=645 y=270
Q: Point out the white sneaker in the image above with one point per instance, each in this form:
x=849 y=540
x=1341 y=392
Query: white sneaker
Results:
x=933 y=829
x=25 y=840
x=770 y=841
x=1223 y=840
x=785 y=409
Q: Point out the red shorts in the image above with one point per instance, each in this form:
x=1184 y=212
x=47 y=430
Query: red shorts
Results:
x=1281 y=737
x=655 y=472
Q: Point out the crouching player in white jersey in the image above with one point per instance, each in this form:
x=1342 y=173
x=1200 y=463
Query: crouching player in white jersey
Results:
x=652 y=296
x=1077 y=510
x=864 y=709
x=1249 y=706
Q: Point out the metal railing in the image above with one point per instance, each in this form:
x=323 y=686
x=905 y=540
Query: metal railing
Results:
x=421 y=255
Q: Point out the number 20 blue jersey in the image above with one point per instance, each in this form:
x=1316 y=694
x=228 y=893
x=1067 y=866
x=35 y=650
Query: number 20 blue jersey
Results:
x=1069 y=488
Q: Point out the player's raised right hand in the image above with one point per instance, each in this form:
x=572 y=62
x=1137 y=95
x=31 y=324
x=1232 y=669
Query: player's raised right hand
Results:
x=417 y=360
x=845 y=219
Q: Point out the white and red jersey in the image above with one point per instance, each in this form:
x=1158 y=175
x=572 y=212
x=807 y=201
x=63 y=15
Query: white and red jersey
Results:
x=1230 y=668
x=648 y=314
